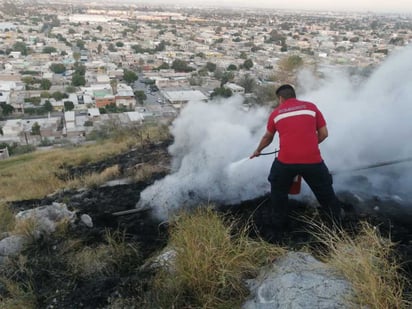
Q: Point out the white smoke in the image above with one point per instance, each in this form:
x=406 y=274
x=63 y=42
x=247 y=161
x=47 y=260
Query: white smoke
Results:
x=368 y=123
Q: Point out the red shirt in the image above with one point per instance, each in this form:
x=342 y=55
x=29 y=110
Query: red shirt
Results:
x=297 y=123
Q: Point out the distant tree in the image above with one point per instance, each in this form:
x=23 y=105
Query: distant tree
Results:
x=243 y=55
x=211 y=67
x=399 y=41
x=45 y=84
x=68 y=105
x=76 y=56
x=140 y=96
x=181 y=66
x=57 y=95
x=35 y=129
x=71 y=31
x=80 y=44
x=58 y=68
x=291 y=63
x=35 y=100
x=221 y=92
x=48 y=107
x=49 y=50
x=6 y=109
x=196 y=79
x=164 y=66
x=129 y=76
x=248 y=64
x=88 y=123
x=21 y=47
x=45 y=94
x=203 y=71
x=265 y=94
x=340 y=49
x=99 y=48
x=226 y=77
x=276 y=38
x=112 y=108
x=78 y=80
x=113 y=85
x=161 y=46
x=232 y=67
x=112 y=48
x=248 y=82
x=137 y=49
x=99 y=28
x=119 y=44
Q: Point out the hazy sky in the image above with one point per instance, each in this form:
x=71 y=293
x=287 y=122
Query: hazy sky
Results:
x=403 y=6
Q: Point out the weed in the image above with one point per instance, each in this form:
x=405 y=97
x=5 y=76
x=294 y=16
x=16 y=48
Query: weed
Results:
x=211 y=263
x=367 y=261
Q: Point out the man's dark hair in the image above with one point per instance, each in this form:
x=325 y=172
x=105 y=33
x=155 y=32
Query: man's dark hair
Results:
x=286 y=92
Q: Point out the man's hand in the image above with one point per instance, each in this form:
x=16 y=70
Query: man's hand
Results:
x=265 y=141
x=256 y=153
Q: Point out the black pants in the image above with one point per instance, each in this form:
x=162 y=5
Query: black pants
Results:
x=318 y=178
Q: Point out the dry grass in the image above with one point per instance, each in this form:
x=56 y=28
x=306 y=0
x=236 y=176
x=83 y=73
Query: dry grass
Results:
x=7 y=219
x=18 y=296
x=104 y=259
x=94 y=180
x=27 y=228
x=145 y=172
x=211 y=263
x=34 y=175
x=367 y=261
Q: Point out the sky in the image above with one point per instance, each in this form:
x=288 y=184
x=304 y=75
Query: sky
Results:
x=400 y=6
x=369 y=122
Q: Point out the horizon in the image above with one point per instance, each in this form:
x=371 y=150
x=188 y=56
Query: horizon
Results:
x=399 y=6
x=402 y=7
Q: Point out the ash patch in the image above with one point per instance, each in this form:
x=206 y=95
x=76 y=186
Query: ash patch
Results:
x=149 y=153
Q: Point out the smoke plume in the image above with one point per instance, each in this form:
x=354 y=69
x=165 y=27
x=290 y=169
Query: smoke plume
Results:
x=368 y=122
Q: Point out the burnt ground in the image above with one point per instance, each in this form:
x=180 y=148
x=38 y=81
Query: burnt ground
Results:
x=55 y=288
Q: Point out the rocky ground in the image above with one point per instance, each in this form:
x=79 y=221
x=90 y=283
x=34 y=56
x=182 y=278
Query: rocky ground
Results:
x=54 y=288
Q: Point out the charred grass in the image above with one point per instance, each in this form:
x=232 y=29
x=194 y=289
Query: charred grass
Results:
x=114 y=266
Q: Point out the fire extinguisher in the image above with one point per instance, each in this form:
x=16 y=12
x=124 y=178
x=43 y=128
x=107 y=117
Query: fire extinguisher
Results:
x=297 y=181
x=296 y=184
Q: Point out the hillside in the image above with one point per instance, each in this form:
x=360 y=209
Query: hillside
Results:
x=105 y=265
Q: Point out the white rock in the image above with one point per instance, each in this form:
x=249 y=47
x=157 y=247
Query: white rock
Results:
x=87 y=220
x=47 y=217
x=12 y=245
x=299 y=281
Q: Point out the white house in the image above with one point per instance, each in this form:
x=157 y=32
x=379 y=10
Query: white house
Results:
x=180 y=97
x=236 y=89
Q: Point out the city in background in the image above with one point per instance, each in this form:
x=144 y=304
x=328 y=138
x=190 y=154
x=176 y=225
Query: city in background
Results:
x=67 y=69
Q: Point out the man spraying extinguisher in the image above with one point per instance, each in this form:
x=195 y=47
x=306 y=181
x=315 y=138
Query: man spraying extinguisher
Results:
x=301 y=127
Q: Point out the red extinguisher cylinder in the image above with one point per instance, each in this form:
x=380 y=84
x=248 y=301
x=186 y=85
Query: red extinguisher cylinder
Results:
x=296 y=184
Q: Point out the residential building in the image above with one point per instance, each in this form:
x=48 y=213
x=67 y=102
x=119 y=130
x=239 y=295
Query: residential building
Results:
x=180 y=97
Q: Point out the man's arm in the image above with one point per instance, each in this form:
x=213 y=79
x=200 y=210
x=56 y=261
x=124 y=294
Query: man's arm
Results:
x=322 y=134
x=264 y=142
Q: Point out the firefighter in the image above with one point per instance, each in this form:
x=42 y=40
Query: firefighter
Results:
x=301 y=128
